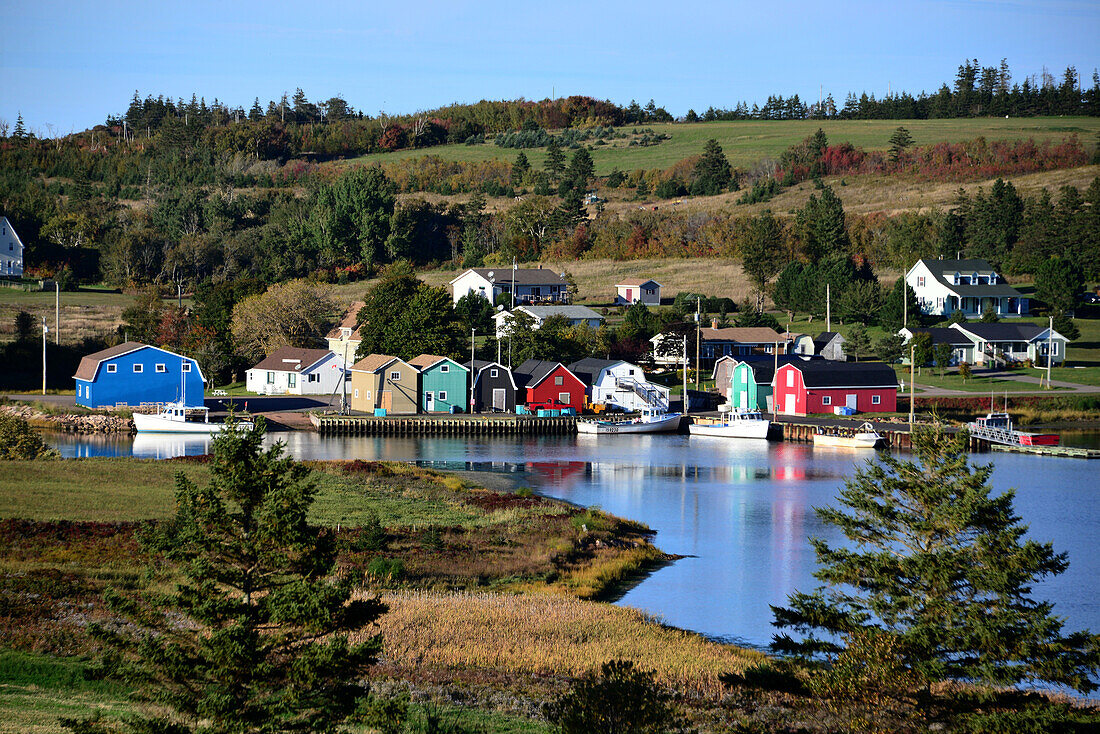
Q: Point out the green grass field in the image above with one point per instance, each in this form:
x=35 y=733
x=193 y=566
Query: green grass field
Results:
x=746 y=143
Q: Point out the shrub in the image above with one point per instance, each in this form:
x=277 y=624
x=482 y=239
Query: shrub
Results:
x=619 y=699
x=386 y=570
x=387 y=715
x=18 y=441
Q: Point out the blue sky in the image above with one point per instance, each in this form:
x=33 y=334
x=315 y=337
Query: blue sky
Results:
x=67 y=65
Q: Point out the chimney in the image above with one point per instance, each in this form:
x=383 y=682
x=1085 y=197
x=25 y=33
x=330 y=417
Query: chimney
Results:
x=714 y=323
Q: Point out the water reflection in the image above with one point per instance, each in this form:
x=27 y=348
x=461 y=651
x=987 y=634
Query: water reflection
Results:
x=740 y=510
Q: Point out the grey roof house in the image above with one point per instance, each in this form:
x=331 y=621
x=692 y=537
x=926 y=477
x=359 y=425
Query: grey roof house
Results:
x=971 y=286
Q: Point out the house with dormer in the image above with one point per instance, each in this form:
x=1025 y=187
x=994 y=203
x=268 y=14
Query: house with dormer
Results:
x=11 y=251
x=530 y=285
x=973 y=287
x=344 y=337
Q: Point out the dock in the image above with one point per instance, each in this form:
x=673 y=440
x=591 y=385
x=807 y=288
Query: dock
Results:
x=455 y=425
x=1072 y=452
x=894 y=437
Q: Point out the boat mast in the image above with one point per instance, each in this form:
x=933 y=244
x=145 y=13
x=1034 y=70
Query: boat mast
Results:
x=685 y=401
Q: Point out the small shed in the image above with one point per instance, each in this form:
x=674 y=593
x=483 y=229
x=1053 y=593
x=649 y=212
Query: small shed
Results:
x=379 y=381
x=494 y=387
x=636 y=290
x=443 y=384
x=830 y=345
x=550 y=383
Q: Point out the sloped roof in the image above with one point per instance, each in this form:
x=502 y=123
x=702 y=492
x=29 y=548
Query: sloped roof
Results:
x=1007 y=332
x=534 y=371
x=588 y=368
x=479 y=366
x=829 y=373
x=763 y=369
x=823 y=339
x=90 y=363
x=962 y=267
x=348 y=321
x=944 y=335
x=292 y=359
x=940 y=269
x=523 y=276
x=569 y=312
x=372 y=363
x=742 y=334
x=424 y=361
x=637 y=282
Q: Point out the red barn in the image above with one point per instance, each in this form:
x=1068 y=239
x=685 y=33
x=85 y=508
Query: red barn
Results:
x=818 y=386
x=549 y=384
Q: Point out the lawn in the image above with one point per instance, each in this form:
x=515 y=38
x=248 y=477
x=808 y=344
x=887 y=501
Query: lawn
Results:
x=748 y=142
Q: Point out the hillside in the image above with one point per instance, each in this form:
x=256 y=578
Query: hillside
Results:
x=747 y=143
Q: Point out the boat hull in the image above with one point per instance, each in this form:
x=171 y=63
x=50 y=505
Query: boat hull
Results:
x=847 y=442
x=662 y=425
x=738 y=429
x=156 y=424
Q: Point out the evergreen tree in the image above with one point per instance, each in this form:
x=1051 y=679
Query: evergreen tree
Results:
x=581 y=168
x=20 y=131
x=643 y=189
x=890 y=348
x=760 y=253
x=934 y=561
x=893 y=312
x=555 y=160
x=712 y=172
x=1064 y=325
x=858 y=342
x=519 y=170
x=821 y=226
x=1057 y=283
x=257 y=112
x=256 y=636
x=899 y=141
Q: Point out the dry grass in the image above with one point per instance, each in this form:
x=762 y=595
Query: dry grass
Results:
x=548 y=634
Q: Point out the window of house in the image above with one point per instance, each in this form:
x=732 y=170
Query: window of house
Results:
x=876 y=399
x=292 y=380
x=1054 y=348
x=559 y=380
x=441 y=395
x=493 y=373
x=394 y=376
x=445 y=368
x=314 y=377
x=270 y=378
x=186 y=366
x=920 y=281
x=826 y=399
x=790 y=378
x=112 y=368
x=161 y=368
x=137 y=368
x=368 y=394
x=563 y=398
x=356 y=394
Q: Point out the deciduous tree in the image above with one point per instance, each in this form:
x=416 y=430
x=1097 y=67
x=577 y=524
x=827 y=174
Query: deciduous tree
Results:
x=292 y=314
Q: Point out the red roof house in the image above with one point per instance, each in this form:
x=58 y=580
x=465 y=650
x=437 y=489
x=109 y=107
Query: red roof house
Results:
x=819 y=386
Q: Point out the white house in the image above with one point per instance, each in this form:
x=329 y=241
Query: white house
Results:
x=572 y=314
x=971 y=286
x=962 y=347
x=635 y=290
x=344 y=337
x=997 y=344
x=11 y=251
x=531 y=285
x=295 y=371
x=619 y=384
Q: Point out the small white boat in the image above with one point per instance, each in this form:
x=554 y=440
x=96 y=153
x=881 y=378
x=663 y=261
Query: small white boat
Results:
x=741 y=424
x=650 y=421
x=172 y=418
x=864 y=437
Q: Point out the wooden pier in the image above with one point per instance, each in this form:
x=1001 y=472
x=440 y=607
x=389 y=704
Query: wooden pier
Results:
x=455 y=425
x=895 y=438
x=1068 y=451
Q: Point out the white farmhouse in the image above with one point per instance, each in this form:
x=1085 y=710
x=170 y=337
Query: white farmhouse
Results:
x=294 y=371
x=531 y=285
x=619 y=384
x=971 y=286
x=11 y=251
x=574 y=315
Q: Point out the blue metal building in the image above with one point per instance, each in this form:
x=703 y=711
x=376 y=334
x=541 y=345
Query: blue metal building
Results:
x=133 y=373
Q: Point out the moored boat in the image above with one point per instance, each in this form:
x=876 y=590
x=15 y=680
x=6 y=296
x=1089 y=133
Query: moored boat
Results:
x=997 y=428
x=863 y=437
x=742 y=424
x=650 y=421
x=173 y=418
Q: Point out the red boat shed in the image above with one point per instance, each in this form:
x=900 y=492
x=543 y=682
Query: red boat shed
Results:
x=819 y=386
x=550 y=384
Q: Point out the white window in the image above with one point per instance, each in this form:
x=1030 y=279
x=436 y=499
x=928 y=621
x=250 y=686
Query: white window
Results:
x=790 y=378
x=79 y=391
x=357 y=394
x=876 y=399
x=559 y=380
x=161 y=368
x=493 y=373
x=445 y=368
x=1054 y=348
x=442 y=395
x=395 y=376
x=137 y=368
x=112 y=368
x=270 y=378
x=563 y=398
x=368 y=394
x=186 y=366
x=826 y=399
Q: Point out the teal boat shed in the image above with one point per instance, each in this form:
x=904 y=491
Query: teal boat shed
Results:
x=444 y=385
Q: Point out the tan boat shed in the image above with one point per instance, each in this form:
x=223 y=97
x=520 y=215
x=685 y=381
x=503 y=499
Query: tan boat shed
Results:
x=379 y=381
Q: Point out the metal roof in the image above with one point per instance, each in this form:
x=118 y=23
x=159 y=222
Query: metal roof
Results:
x=828 y=373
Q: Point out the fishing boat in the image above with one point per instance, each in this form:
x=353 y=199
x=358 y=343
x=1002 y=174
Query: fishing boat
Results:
x=863 y=437
x=174 y=418
x=650 y=421
x=997 y=428
x=740 y=424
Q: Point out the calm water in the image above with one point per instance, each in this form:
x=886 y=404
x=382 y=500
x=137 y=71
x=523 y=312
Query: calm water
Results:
x=740 y=510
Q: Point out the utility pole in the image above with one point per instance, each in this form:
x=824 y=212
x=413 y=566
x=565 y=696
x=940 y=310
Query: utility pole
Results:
x=775 y=383
x=471 y=407
x=1050 y=336
x=57 y=312
x=912 y=389
x=698 y=331
x=828 y=309
x=904 y=304
x=45 y=330
x=344 y=381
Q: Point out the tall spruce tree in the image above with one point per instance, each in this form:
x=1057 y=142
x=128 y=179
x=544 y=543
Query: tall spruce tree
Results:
x=256 y=635
x=555 y=160
x=760 y=253
x=940 y=565
x=712 y=172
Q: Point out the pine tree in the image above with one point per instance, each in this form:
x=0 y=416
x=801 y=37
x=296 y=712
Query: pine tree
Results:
x=555 y=160
x=937 y=563
x=256 y=636
x=760 y=253
x=712 y=173
x=581 y=168
x=899 y=141
x=892 y=316
x=519 y=170
x=257 y=112
x=20 y=131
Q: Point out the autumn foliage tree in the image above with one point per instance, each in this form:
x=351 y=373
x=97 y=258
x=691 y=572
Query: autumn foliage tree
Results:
x=292 y=314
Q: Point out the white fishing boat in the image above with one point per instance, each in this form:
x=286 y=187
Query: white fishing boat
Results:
x=739 y=424
x=863 y=437
x=650 y=421
x=174 y=418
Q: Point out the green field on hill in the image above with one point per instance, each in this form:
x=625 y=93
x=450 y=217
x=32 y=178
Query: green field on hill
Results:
x=748 y=142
